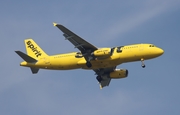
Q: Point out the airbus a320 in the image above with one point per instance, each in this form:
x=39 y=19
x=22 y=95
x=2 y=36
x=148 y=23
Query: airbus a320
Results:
x=102 y=61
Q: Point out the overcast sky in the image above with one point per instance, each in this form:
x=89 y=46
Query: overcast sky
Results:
x=150 y=91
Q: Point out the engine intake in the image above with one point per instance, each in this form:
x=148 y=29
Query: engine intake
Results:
x=119 y=73
x=103 y=52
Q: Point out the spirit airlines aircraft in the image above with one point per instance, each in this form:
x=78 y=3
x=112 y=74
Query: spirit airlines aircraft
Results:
x=102 y=61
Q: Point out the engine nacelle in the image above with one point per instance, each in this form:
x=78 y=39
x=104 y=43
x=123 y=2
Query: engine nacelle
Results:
x=119 y=73
x=103 y=52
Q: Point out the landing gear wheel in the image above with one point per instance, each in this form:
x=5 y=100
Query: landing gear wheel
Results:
x=99 y=78
x=143 y=66
x=88 y=64
x=142 y=61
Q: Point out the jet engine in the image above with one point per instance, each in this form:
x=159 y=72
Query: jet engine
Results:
x=119 y=73
x=103 y=52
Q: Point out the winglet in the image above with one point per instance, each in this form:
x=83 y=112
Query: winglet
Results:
x=100 y=86
x=54 y=24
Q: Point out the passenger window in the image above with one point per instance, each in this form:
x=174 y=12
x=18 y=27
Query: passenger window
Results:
x=151 y=45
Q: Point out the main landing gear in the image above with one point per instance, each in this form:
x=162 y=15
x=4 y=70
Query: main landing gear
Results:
x=88 y=64
x=142 y=61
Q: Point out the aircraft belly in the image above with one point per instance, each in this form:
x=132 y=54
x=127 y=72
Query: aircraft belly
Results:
x=128 y=56
x=63 y=64
x=135 y=55
x=100 y=64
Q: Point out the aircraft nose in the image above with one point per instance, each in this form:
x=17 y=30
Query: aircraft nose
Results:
x=160 y=51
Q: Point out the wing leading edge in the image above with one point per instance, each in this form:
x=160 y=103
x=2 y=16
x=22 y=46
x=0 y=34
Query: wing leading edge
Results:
x=77 y=41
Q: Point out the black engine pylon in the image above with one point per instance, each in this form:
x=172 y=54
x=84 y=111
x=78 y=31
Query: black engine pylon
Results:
x=88 y=64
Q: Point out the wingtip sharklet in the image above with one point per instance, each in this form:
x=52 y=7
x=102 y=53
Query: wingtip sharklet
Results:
x=54 y=24
x=100 y=86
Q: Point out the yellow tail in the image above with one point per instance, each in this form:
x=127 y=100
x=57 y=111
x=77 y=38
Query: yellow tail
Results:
x=33 y=49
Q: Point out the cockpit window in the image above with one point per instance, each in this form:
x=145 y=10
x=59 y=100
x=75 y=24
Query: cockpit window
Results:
x=152 y=45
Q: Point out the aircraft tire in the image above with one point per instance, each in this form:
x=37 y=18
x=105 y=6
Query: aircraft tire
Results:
x=88 y=64
x=143 y=66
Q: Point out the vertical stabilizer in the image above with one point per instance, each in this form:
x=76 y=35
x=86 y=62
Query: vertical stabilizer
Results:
x=33 y=49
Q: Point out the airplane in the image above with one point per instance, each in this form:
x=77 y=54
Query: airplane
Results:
x=102 y=61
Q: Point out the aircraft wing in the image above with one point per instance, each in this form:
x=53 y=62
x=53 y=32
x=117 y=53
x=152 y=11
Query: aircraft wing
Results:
x=86 y=49
x=104 y=73
x=78 y=42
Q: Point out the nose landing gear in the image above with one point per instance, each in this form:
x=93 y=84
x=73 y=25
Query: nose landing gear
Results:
x=142 y=61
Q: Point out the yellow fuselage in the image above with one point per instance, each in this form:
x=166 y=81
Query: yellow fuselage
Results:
x=74 y=60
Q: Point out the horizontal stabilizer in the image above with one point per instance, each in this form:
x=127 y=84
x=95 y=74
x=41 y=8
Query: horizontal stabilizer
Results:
x=34 y=70
x=26 y=57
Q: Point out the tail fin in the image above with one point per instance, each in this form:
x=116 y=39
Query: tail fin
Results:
x=33 y=49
